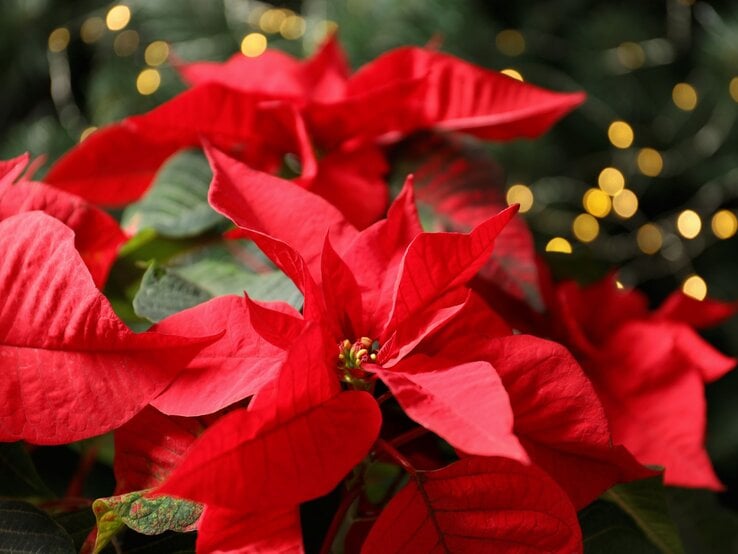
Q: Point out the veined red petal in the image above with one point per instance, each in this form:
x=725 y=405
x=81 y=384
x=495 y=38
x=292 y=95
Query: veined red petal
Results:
x=72 y=368
x=478 y=505
x=234 y=367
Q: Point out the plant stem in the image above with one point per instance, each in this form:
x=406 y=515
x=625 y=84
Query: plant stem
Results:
x=396 y=456
x=337 y=520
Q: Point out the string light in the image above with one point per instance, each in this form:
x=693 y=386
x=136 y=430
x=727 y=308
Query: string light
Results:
x=59 y=39
x=560 y=245
x=87 y=132
x=510 y=72
x=684 y=96
x=253 y=45
x=596 y=202
x=733 y=88
x=619 y=285
x=520 y=194
x=156 y=53
x=611 y=181
x=620 y=134
x=650 y=162
x=649 y=238
x=630 y=55
x=148 y=81
x=118 y=17
x=510 y=42
x=585 y=228
x=293 y=27
x=724 y=224
x=92 y=30
x=689 y=224
x=625 y=204
x=271 y=20
x=695 y=286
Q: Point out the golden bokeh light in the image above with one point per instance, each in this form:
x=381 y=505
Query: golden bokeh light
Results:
x=597 y=202
x=324 y=29
x=92 y=30
x=625 y=204
x=733 y=88
x=272 y=19
x=619 y=285
x=87 y=132
x=514 y=73
x=585 y=228
x=611 y=181
x=59 y=39
x=631 y=55
x=293 y=27
x=695 y=286
x=156 y=53
x=148 y=81
x=510 y=42
x=125 y=43
x=620 y=134
x=649 y=238
x=649 y=162
x=689 y=224
x=520 y=194
x=560 y=245
x=724 y=224
x=118 y=17
x=253 y=45
x=684 y=96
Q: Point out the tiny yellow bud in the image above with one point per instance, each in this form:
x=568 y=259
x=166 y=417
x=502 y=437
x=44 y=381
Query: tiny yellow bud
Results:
x=373 y=357
x=346 y=343
x=366 y=341
x=361 y=353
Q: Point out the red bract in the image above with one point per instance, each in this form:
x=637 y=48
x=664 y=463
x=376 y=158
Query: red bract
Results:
x=404 y=290
x=288 y=108
x=72 y=368
x=477 y=505
x=649 y=371
x=97 y=236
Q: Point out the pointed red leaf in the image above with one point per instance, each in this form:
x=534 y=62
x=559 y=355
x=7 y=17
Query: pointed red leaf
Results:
x=696 y=313
x=437 y=262
x=72 y=368
x=413 y=88
x=478 y=505
x=257 y=201
x=464 y=403
x=150 y=446
x=558 y=415
x=97 y=236
x=11 y=169
x=112 y=167
x=297 y=440
x=272 y=532
x=653 y=393
x=234 y=367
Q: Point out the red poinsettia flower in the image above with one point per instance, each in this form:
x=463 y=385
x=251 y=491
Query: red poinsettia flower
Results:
x=293 y=109
x=97 y=236
x=388 y=302
x=649 y=369
x=72 y=369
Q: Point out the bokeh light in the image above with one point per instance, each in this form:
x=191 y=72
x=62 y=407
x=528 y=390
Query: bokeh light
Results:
x=689 y=224
x=684 y=96
x=620 y=134
x=520 y=194
x=118 y=17
x=597 y=202
x=649 y=162
x=611 y=181
x=510 y=42
x=695 y=286
x=156 y=53
x=148 y=81
x=724 y=224
x=253 y=45
x=560 y=245
x=625 y=204
x=59 y=39
x=649 y=238
x=585 y=227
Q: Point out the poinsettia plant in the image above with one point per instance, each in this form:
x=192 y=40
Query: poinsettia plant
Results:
x=276 y=351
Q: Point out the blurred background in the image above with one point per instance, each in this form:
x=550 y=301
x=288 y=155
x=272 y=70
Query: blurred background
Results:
x=643 y=177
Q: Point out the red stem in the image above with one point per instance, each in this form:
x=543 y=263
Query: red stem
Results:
x=396 y=456
x=383 y=398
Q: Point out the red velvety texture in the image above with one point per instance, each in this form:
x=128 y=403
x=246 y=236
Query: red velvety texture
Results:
x=478 y=505
x=73 y=369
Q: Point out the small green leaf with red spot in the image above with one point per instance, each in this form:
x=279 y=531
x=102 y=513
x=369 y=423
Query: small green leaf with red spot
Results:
x=149 y=516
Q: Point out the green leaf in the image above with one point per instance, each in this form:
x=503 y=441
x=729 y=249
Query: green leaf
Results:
x=177 y=204
x=18 y=476
x=163 y=293
x=194 y=277
x=26 y=529
x=645 y=502
x=606 y=529
x=149 y=516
